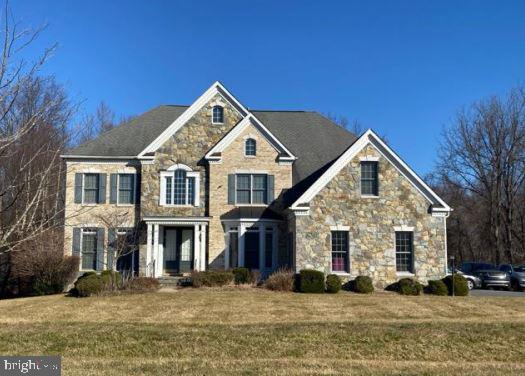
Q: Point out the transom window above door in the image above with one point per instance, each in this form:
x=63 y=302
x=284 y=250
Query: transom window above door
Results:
x=179 y=186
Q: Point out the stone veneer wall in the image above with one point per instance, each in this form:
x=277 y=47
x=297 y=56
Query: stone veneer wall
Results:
x=371 y=222
x=233 y=159
x=96 y=215
x=188 y=146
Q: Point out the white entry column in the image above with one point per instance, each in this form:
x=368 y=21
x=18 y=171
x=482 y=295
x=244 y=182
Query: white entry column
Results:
x=202 y=251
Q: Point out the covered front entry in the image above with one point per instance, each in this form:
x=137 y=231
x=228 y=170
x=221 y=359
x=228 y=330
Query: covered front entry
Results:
x=175 y=245
x=178 y=250
x=251 y=244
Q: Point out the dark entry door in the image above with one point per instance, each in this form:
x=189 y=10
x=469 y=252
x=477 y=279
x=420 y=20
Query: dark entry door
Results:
x=178 y=250
x=185 y=249
x=251 y=249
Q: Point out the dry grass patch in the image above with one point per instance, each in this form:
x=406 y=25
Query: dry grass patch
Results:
x=209 y=331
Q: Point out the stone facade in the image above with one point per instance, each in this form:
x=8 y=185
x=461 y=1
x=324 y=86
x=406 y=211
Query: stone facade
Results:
x=188 y=146
x=372 y=222
x=234 y=160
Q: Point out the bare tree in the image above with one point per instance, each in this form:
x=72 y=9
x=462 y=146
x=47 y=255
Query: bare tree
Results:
x=123 y=237
x=482 y=161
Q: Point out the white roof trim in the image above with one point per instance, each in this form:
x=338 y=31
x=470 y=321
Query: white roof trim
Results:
x=72 y=156
x=216 y=88
x=238 y=129
x=367 y=138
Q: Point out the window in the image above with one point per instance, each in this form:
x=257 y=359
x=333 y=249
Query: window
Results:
x=340 y=251
x=89 y=249
x=369 y=178
x=268 y=249
x=251 y=189
x=404 y=251
x=250 y=147
x=234 y=247
x=217 y=115
x=91 y=187
x=126 y=188
x=180 y=186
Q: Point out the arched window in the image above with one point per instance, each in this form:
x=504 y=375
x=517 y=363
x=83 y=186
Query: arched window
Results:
x=217 y=115
x=250 y=147
x=180 y=186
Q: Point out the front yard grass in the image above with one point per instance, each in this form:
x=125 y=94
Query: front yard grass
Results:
x=254 y=331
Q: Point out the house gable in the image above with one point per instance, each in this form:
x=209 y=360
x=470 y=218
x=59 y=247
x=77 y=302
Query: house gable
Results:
x=214 y=91
x=301 y=205
x=250 y=121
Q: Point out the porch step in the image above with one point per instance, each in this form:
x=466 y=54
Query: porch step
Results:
x=172 y=282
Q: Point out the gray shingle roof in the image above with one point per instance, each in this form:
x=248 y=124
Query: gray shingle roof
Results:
x=314 y=139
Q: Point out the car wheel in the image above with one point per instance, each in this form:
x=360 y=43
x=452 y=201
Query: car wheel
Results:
x=470 y=284
x=516 y=286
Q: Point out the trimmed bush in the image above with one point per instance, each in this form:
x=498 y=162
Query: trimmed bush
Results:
x=281 y=280
x=437 y=287
x=311 y=281
x=409 y=286
x=241 y=276
x=460 y=285
x=333 y=284
x=363 y=285
x=142 y=284
x=88 y=285
x=112 y=279
x=211 y=278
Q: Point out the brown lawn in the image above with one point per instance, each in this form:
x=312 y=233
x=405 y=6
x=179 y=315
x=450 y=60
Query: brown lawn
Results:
x=253 y=331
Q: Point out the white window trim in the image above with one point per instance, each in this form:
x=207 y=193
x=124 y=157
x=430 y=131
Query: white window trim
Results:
x=171 y=173
x=251 y=189
x=369 y=158
x=217 y=122
x=82 y=232
x=250 y=155
x=405 y=274
x=349 y=266
x=134 y=188
x=365 y=159
x=98 y=188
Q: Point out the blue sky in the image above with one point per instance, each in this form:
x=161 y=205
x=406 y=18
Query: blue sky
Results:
x=402 y=68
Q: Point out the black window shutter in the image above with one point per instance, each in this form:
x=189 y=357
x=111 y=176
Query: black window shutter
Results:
x=231 y=189
x=101 y=188
x=133 y=177
x=112 y=238
x=113 y=178
x=78 y=188
x=270 y=184
x=137 y=189
x=100 y=248
x=76 y=241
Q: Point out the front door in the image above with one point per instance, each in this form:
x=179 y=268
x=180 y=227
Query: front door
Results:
x=185 y=250
x=251 y=249
x=170 y=251
x=178 y=250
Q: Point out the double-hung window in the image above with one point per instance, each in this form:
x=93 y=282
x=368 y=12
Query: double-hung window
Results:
x=89 y=249
x=369 y=178
x=251 y=189
x=340 y=251
x=91 y=188
x=404 y=251
x=126 y=188
x=179 y=187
